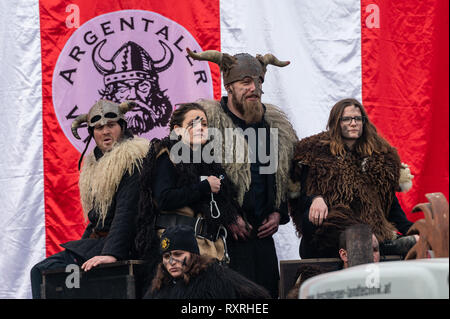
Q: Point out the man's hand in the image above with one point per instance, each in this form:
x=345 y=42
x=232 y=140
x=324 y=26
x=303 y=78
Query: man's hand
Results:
x=240 y=230
x=97 y=260
x=269 y=225
x=318 y=211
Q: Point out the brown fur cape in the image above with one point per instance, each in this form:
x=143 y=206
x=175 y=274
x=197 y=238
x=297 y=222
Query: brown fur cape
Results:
x=363 y=187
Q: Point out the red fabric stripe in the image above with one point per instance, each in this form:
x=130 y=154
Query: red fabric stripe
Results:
x=63 y=212
x=405 y=79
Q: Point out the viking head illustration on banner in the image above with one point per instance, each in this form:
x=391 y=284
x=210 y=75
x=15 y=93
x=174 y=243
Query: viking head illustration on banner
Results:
x=132 y=75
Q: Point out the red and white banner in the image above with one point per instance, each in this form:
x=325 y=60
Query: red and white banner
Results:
x=58 y=57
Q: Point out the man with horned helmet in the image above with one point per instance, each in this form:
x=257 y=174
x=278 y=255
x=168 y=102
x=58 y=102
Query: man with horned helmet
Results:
x=262 y=129
x=109 y=192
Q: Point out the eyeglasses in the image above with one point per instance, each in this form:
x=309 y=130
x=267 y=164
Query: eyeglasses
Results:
x=349 y=119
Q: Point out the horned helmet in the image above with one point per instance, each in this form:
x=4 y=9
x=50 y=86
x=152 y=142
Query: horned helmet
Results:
x=239 y=66
x=101 y=113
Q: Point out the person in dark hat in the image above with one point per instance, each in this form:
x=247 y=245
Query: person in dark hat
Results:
x=185 y=274
x=109 y=192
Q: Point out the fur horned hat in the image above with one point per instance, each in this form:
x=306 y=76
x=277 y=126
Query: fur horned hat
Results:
x=100 y=113
x=239 y=66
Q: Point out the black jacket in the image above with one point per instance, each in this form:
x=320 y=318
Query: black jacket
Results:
x=215 y=282
x=168 y=186
x=168 y=195
x=119 y=225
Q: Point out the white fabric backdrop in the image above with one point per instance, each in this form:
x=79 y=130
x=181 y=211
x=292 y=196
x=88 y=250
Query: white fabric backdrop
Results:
x=22 y=222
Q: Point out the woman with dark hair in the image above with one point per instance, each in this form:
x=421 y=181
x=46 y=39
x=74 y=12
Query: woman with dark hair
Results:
x=348 y=173
x=368 y=142
x=185 y=192
x=185 y=274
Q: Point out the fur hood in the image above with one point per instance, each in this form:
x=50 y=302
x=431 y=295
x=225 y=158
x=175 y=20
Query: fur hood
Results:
x=99 y=179
x=239 y=172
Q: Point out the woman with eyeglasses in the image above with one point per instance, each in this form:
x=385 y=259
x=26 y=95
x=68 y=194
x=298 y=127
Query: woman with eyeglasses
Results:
x=349 y=173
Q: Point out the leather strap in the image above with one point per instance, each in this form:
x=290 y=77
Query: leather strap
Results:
x=203 y=228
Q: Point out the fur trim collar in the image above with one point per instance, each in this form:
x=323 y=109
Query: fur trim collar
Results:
x=100 y=179
x=240 y=173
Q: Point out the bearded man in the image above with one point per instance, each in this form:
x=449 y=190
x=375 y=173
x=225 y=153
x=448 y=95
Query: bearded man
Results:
x=109 y=191
x=262 y=184
x=349 y=174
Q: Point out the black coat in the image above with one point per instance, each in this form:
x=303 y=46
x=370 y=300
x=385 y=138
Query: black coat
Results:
x=215 y=282
x=119 y=223
x=166 y=187
x=170 y=192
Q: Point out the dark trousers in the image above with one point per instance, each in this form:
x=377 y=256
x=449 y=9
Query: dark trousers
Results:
x=314 y=246
x=307 y=249
x=59 y=260
x=256 y=259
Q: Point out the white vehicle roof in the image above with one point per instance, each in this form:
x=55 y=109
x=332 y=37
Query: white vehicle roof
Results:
x=406 y=279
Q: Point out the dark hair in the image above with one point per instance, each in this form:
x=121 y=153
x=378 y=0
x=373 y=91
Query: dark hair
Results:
x=303 y=273
x=179 y=114
x=368 y=143
x=342 y=235
x=196 y=265
x=342 y=241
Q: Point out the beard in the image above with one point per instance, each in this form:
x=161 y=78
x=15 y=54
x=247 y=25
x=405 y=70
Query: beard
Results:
x=251 y=111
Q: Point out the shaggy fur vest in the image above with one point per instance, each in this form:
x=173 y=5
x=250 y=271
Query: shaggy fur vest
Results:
x=362 y=186
x=99 y=179
x=240 y=173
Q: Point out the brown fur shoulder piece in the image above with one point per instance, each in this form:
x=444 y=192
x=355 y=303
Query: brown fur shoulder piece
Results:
x=305 y=148
x=100 y=179
x=365 y=184
x=287 y=138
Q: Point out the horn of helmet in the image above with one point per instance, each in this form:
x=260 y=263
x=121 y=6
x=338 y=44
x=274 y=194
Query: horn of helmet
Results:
x=77 y=122
x=103 y=66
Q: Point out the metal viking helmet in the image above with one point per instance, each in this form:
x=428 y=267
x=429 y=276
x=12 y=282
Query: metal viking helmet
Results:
x=239 y=66
x=100 y=113
x=130 y=62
